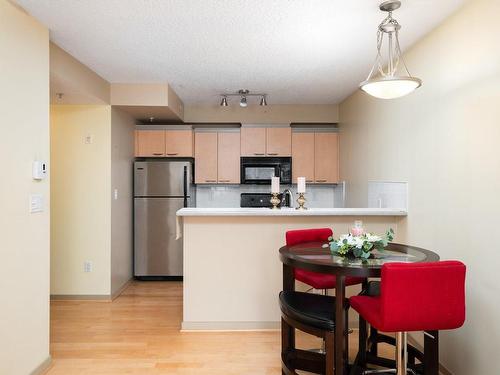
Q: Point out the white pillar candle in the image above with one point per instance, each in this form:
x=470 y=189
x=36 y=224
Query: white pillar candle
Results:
x=275 y=184
x=301 y=184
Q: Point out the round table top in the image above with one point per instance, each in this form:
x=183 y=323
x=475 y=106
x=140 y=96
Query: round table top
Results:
x=312 y=256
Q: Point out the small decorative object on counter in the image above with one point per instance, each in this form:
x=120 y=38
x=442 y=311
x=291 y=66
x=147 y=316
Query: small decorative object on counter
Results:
x=357 y=229
x=275 y=189
x=275 y=185
x=301 y=200
x=360 y=246
x=275 y=201
x=301 y=185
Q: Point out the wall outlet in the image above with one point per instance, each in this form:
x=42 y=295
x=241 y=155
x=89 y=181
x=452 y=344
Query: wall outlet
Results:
x=87 y=266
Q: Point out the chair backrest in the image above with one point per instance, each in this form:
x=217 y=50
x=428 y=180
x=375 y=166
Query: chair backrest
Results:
x=295 y=237
x=423 y=296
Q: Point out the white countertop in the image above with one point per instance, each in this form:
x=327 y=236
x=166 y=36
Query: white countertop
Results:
x=195 y=211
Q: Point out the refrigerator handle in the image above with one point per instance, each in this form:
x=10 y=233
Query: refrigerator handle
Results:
x=185 y=186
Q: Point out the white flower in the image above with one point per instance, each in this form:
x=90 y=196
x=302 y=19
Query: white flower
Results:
x=372 y=238
x=358 y=242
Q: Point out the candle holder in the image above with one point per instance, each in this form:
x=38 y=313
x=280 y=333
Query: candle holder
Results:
x=301 y=200
x=275 y=201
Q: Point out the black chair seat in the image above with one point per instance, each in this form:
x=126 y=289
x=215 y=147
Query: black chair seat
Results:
x=373 y=289
x=311 y=309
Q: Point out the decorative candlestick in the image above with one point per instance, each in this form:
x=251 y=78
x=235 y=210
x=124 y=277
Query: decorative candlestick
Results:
x=301 y=200
x=275 y=201
x=301 y=185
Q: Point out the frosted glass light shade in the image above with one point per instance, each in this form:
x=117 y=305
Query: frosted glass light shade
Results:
x=390 y=87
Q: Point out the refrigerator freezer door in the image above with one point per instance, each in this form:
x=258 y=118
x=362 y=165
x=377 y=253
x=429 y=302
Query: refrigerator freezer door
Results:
x=157 y=252
x=162 y=178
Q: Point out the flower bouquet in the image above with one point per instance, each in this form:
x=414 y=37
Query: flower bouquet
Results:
x=359 y=246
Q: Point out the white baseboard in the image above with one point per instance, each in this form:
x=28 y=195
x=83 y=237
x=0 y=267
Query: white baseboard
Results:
x=81 y=297
x=230 y=326
x=42 y=367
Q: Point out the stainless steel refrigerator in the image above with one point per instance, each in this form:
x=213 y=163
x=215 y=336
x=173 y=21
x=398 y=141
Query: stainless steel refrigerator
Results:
x=160 y=189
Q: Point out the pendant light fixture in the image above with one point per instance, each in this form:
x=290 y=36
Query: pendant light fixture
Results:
x=243 y=94
x=389 y=84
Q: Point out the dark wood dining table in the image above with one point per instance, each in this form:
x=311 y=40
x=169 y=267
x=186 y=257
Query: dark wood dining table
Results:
x=312 y=256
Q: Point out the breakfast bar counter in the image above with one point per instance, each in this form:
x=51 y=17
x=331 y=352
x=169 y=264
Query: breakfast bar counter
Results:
x=291 y=212
x=232 y=270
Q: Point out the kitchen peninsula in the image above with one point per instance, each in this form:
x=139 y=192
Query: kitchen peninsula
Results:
x=232 y=272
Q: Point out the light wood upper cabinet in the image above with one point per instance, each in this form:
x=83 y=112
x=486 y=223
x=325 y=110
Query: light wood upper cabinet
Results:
x=205 y=154
x=228 y=150
x=179 y=143
x=303 y=156
x=150 y=143
x=253 y=141
x=326 y=158
x=279 y=141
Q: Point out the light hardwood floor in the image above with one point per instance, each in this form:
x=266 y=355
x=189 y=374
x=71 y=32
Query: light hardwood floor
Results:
x=138 y=333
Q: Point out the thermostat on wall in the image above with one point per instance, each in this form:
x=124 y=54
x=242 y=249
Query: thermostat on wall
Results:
x=39 y=170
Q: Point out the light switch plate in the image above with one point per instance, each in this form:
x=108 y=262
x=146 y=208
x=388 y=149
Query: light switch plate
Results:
x=36 y=203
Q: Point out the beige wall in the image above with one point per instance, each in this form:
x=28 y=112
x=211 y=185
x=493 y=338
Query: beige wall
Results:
x=81 y=199
x=255 y=114
x=77 y=83
x=443 y=140
x=122 y=155
x=24 y=237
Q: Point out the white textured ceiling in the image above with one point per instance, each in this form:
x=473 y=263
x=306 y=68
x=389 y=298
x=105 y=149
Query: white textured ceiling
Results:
x=297 y=51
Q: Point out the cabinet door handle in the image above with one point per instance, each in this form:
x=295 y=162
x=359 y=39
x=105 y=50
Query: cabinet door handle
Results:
x=224 y=180
x=157 y=153
x=272 y=153
x=210 y=181
x=320 y=180
x=172 y=153
x=258 y=153
x=309 y=180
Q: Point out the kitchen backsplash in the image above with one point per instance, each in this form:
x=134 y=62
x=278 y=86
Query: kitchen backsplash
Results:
x=225 y=196
x=388 y=194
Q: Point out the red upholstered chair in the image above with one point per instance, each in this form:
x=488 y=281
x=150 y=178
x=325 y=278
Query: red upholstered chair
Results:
x=415 y=297
x=314 y=279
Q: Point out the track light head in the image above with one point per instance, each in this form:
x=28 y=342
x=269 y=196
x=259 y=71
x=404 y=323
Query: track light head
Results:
x=223 y=102
x=263 y=101
x=243 y=101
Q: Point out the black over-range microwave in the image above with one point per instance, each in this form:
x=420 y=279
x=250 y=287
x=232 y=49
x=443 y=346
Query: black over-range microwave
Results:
x=259 y=170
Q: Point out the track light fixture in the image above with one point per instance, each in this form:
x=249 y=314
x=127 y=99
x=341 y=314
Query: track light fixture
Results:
x=243 y=94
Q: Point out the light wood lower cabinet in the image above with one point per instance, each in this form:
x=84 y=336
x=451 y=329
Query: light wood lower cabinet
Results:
x=228 y=158
x=205 y=155
x=179 y=143
x=315 y=156
x=278 y=141
x=150 y=143
x=326 y=158
x=303 y=156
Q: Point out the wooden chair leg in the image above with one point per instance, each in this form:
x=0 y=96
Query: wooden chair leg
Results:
x=287 y=337
x=431 y=353
x=363 y=336
x=374 y=341
x=329 y=353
